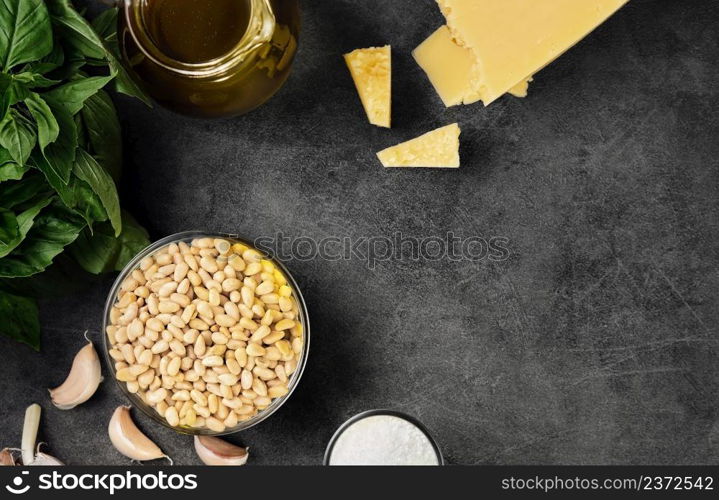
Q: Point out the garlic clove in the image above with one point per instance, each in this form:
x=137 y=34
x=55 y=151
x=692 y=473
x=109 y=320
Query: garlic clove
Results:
x=129 y=440
x=82 y=381
x=29 y=433
x=6 y=457
x=43 y=459
x=215 y=451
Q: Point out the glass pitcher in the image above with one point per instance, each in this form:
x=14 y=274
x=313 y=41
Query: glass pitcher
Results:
x=209 y=58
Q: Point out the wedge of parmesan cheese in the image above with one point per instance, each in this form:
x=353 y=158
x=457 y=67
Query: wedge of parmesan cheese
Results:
x=511 y=39
x=451 y=69
x=371 y=70
x=438 y=148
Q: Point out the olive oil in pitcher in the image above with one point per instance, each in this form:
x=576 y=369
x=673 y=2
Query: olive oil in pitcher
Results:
x=210 y=58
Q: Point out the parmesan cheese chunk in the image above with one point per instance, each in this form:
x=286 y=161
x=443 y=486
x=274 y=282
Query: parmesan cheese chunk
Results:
x=371 y=70
x=438 y=148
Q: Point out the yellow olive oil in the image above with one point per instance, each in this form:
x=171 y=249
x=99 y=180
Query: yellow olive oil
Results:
x=210 y=58
x=196 y=31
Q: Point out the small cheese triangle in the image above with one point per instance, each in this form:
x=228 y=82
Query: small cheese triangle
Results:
x=438 y=148
x=371 y=71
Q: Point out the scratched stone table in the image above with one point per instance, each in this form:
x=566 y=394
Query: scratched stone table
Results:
x=594 y=341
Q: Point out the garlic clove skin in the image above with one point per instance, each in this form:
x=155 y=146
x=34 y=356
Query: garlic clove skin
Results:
x=42 y=459
x=82 y=381
x=6 y=457
x=215 y=451
x=129 y=440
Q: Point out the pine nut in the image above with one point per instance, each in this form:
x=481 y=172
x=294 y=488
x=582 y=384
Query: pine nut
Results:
x=213 y=361
x=178 y=347
x=248 y=296
x=228 y=379
x=284 y=347
x=160 y=347
x=173 y=367
x=182 y=395
x=214 y=425
x=233 y=366
x=277 y=391
x=172 y=417
x=264 y=373
x=265 y=287
x=168 y=307
x=202 y=410
x=167 y=289
x=198 y=324
x=248 y=324
x=262 y=402
x=259 y=387
x=281 y=375
x=145 y=358
x=214 y=297
x=273 y=354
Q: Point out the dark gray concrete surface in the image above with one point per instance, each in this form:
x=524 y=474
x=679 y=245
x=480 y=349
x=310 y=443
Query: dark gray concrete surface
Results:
x=595 y=342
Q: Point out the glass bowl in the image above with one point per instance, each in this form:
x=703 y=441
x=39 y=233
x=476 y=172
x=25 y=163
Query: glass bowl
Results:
x=137 y=402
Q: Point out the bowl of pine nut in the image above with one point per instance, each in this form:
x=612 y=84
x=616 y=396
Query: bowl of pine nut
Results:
x=206 y=334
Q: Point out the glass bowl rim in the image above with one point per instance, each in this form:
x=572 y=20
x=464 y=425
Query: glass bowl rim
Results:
x=381 y=412
x=146 y=409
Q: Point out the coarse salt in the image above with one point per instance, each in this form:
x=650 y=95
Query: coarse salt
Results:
x=383 y=440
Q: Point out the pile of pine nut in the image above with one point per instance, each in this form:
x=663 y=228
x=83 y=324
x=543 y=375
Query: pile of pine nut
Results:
x=206 y=333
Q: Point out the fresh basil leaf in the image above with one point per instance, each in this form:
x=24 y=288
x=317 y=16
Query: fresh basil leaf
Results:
x=47 y=126
x=60 y=154
x=76 y=195
x=51 y=172
x=105 y=24
x=9 y=230
x=103 y=132
x=48 y=63
x=20 y=319
x=75 y=30
x=34 y=80
x=73 y=60
x=24 y=222
x=81 y=132
x=54 y=229
x=18 y=136
x=26 y=218
x=79 y=33
x=124 y=83
x=102 y=252
x=88 y=170
x=13 y=90
x=18 y=193
x=5 y=82
x=9 y=170
x=25 y=32
x=96 y=251
x=73 y=94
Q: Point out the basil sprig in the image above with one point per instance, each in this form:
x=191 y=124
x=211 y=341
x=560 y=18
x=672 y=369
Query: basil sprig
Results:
x=60 y=156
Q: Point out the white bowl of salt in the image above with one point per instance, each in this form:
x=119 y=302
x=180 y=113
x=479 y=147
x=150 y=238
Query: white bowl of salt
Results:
x=382 y=437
